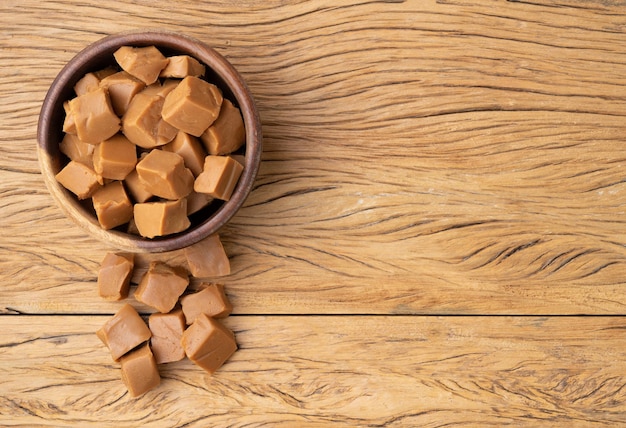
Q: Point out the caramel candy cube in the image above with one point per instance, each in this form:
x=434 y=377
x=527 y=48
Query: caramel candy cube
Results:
x=145 y=63
x=211 y=301
x=125 y=331
x=161 y=218
x=89 y=82
x=136 y=188
x=219 y=177
x=79 y=179
x=140 y=373
x=161 y=286
x=115 y=158
x=227 y=133
x=69 y=126
x=167 y=332
x=196 y=201
x=192 y=106
x=76 y=150
x=114 y=276
x=113 y=208
x=190 y=148
x=182 y=66
x=161 y=89
x=94 y=117
x=164 y=174
x=122 y=88
x=207 y=258
x=208 y=343
x=143 y=125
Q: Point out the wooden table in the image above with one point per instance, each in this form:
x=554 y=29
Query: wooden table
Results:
x=436 y=236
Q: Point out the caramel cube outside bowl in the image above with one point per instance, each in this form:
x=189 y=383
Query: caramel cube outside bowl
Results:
x=140 y=373
x=124 y=331
x=161 y=286
x=211 y=301
x=207 y=258
x=208 y=343
x=114 y=276
x=167 y=332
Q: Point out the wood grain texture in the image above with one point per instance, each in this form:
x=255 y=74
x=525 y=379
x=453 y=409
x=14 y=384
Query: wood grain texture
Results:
x=420 y=157
x=320 y=371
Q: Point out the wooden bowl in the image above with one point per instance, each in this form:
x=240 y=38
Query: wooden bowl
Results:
x=98 y=56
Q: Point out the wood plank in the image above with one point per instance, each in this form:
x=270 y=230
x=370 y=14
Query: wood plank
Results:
x=316 y=371
x=420 y=157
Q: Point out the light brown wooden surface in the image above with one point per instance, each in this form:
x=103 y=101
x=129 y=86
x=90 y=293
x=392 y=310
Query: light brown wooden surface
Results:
x=327 y=370
x=455 y=158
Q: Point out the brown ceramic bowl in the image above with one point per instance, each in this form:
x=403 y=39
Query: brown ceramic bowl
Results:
x=99 y=55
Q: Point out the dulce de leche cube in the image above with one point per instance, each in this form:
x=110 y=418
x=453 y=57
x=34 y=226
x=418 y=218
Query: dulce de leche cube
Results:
x=139 y=371
x=115 y=158
x=219 y=177
x=125 y=331
x=190 y=149
x=208 y=343
x=143 y=124
x=113 y=208
x=167 y=332
x=161 y=286
x=207 y=258
x=145 y=63
x=91 y=81
x=211 y=301
x=79 y=179
x=192 y=106
x=227 y=133
x=161 y=218
x=76 y=150
x=114 y=276
x=135 y=187
x=69 y=125
x=161 y=89
x=181 y=66
x=164 y=174
x=94 y=117
x=122 y=88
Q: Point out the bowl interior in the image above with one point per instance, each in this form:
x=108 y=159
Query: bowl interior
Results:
x=100 y=55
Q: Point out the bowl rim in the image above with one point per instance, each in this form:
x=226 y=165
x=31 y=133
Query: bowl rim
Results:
x=173 y=41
